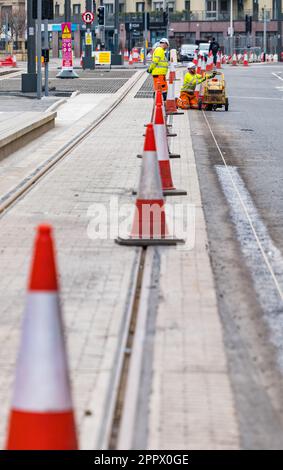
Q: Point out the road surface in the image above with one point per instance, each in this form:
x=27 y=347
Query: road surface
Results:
x=239 y=162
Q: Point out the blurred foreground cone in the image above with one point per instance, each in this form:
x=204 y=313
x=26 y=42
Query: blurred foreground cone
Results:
x=42 y=415
x=163 y=155
x=149 y=227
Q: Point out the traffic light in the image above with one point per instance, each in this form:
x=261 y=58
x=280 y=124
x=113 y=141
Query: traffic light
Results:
x=165 y=18
x=47 y=10
x=249 y=24
x=101 y=16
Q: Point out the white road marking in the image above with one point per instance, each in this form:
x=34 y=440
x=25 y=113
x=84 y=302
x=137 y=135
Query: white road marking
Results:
x=266 y=290
x=276 y=75
x=275 y=274
x=254 y=98
x=280 y=291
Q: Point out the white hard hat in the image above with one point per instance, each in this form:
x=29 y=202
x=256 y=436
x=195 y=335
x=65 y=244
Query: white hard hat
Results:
x=191 y=65
x=164 y=41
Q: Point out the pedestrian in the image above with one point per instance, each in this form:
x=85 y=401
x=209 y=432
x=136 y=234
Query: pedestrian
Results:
x=159 y=67
x=188 y=98
x=214 y=48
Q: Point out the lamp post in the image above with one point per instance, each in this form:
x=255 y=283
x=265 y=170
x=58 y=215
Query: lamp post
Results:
x=29 y=78
x=231 y=27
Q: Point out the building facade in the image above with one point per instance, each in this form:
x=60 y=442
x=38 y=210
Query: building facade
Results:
x=190 y=21
x=12 y=25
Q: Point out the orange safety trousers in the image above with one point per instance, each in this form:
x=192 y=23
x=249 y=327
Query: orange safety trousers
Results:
x=160 y=83
x=187 y=101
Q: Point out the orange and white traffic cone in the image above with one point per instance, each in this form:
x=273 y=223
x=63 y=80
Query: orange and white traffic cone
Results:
x=42 y=415
x=149 y=226
x=199 y=65
x=126 y=55
x=195 y=61
x=218 y=63
x=172 y=70
x=163 y=155
x=203 y=66
x=172 y=74
x=209 y=63
x=130 y=59
x=234 y=60
x=170 y=104
x=246 y=60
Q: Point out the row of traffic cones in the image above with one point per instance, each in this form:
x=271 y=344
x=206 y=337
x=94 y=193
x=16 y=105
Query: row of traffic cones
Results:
x=149 y=225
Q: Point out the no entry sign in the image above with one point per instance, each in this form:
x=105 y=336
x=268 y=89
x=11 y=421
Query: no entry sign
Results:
x=88 y=17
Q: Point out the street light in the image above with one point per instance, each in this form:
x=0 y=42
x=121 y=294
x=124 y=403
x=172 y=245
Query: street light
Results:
x=231 y=27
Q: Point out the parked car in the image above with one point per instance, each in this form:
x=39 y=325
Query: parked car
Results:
x=186 y=52
x=204 y=48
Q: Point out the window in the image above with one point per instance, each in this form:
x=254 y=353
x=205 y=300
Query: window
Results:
x=171 y=6
x=211 y=9
x=139 y=7
x=224 y=5
x=188 y=5
x=57 y=9
x=76 y=9
x=109 y=8
x=158 y=6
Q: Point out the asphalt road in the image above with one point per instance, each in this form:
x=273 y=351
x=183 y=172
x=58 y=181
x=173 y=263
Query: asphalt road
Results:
x=242 y=189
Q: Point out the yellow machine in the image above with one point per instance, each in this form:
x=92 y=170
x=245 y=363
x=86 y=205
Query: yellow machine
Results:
x=213 y=94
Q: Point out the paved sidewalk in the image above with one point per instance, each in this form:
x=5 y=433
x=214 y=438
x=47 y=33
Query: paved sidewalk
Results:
x=73 y=116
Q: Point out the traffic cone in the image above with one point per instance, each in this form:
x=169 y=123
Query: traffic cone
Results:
x=130 y=59
x=234 y=60
x=172 y=73
x=195 y=61
x=199 y=65
x=245 y=61
x=163 y=155
x=170 y=104
x=126 y=55
x=218 y=63
x=209 y=63
x=149 y=226
x=172 y=70
x=203 y=66
x=42 y=415
x=160 y=102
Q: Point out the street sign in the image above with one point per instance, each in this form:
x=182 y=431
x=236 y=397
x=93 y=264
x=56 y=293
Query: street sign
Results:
x=88 y=39
x=67 y=55
x=88 y=17
x=103 y=57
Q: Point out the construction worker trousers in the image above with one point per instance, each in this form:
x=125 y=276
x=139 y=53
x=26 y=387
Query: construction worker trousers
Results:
x=160 y=83
x=187 y=101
